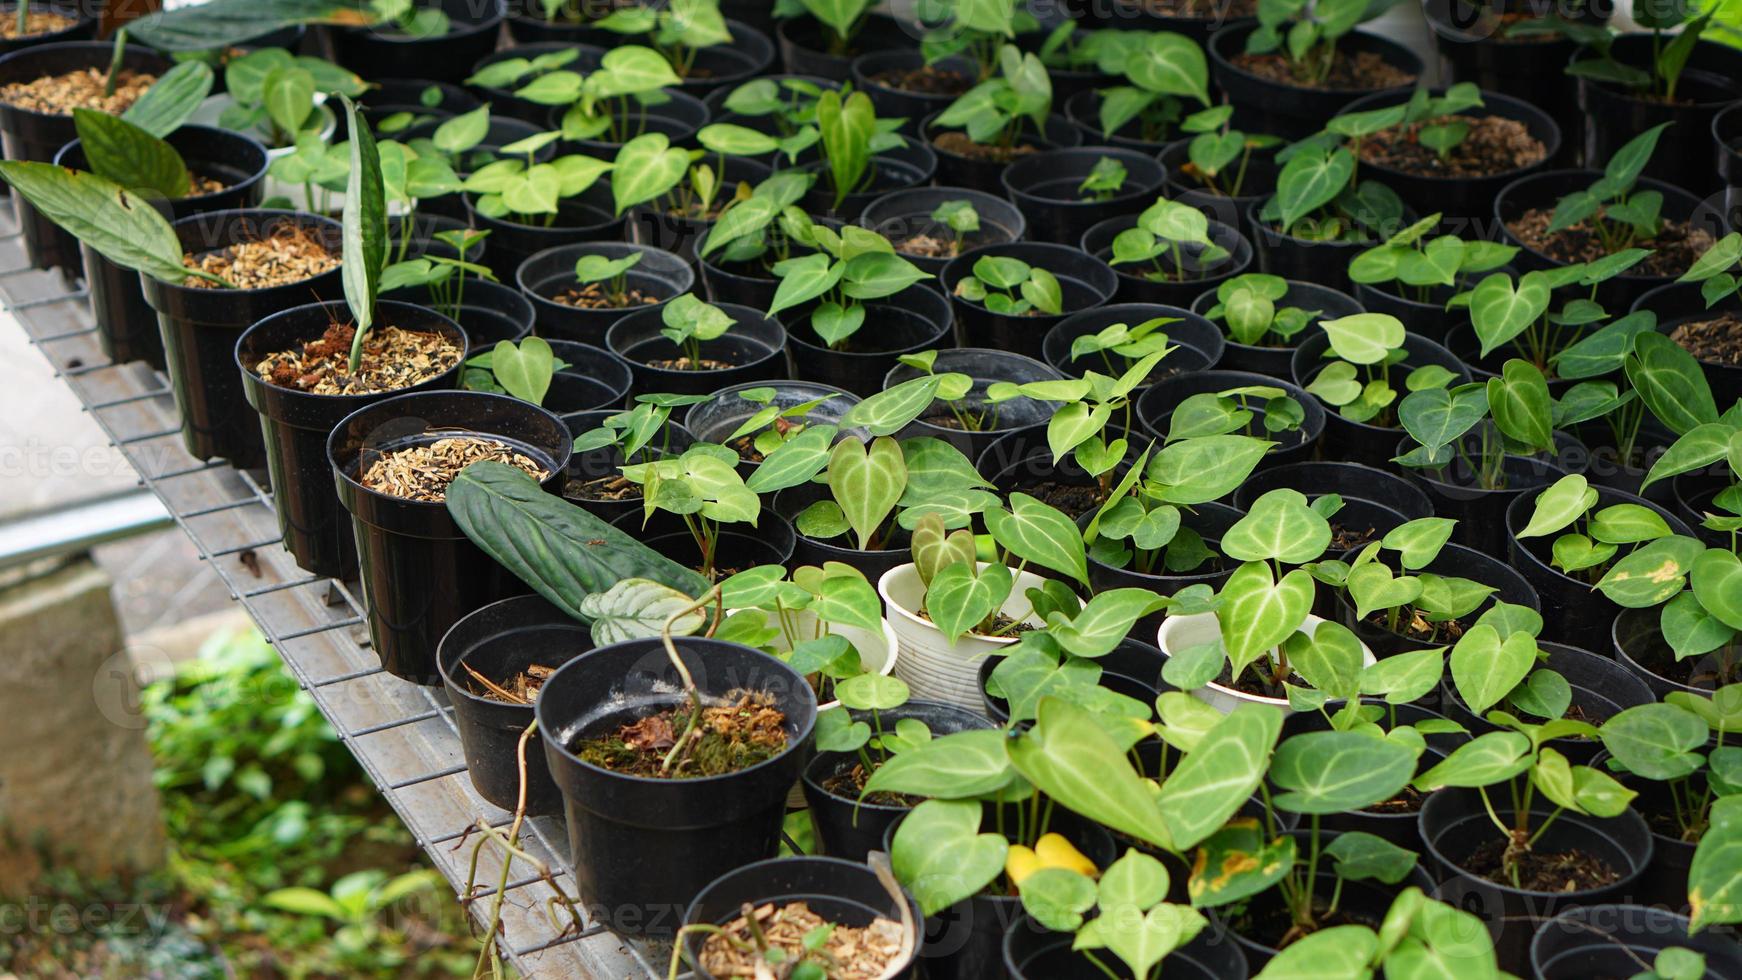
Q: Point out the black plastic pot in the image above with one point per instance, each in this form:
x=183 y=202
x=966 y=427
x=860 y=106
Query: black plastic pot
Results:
x=1022 y=462
x=896 y=169
x=644 y=848
x=1694 y=495
x=1454 y=823
x=727 y=66
x=1256 y=186
x=726 y=409
x=1197 y=343
x=549 y=273
x=1637 y=639
x=1665 y=882
x=1466 y=202
x=1708 y=83
x=1277 y=362
x=126 y=326
x=792 y=501
x=419 y=572
x=200 y=327
x=678 y=117
x=845 y=893
x=1325 y=263
x=1608 y=466
x=1473 y=47
x=1084 y=111
x=847 y=828
x=1364 y=442
x=488 y=311
x=1573 y=611
x=1045 y=186
x=1453 y=560
x=1541 y=190
x=294 y=426
x=84 y=24
x=1085 y=281
x=900 y=215
x=1679 y=303
x=1133 y=668
x=898 y=103
x=956 y=170
x=499 y=641
x=1351 y=481
x=37 y=136
x=1727 y=137
x=376 y=52
x=594 y=379
x=985 y=367
x=1155 y=411
x=651 y=224
x=1612 y=940
x=389 y=95
x=755 y=345
x=1135 y=15
x=915 y=319
x=1364 y=901
x=596 y=463
x=738 y=547
x=1210 y=521
x=1291 y=111
x=507 y=105
x=804 y=51
x=1481 y=512
x=966 y=940
x=1137 y=287
x=1034 y=953
x=527 y=24
x=1602 y=688
x=585 y=217
x=1399 y=827
x=741 y=284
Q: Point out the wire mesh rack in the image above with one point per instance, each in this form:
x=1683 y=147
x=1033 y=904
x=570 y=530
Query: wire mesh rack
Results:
x=402 y=734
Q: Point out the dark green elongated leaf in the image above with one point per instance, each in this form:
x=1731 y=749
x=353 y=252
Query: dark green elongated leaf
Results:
x=225 y=23
x=365 y=227
x=122 y=152
x=1606 y=349
x=1217 y=776
x=171 y=99
x=1360 y=856
x=563 y=552
x=1700 y=446
x=1328 y=772
x=1521 y=404
x=124 y=228
x=1070 y=759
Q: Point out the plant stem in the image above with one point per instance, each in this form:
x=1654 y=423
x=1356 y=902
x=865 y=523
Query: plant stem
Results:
x=683 y=671
x=115 y=62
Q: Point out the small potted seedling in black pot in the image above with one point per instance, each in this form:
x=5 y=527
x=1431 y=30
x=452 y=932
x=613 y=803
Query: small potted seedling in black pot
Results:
x=606 y=441
x=579 y=291
x=1004 y=118
x=689 y=347
x=1008 y=296
x=1265 y=316
x=1169 y=253
x=932 y=225
x=1064 y=193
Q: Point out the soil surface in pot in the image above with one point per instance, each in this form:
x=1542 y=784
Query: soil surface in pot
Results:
x=1707 y=672
x=730 y=737
x=59 y=95
x=1003 y=627
x=1072 y=499
x=935 y=246
x=35 y=22
x=1348 y=538
x=959 y=144
x=522 y=688
x=1415 y=626
x=423 y=472
x=1674 y=248
x=1408 y=800
x=1360 y=70
x=925 y=80
x=1715 y=341
x=1541 y=871
x=849 y=778
x=1491 y=145
x=685 y=364
x=609 y=487
x=290 y=254
x=1268 y=922
x=850 y=952
x=594 y=296
x=392 y=359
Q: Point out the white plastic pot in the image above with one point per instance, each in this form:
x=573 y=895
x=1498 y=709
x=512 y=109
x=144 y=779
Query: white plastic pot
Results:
x=1197 y=629
x=935 y=669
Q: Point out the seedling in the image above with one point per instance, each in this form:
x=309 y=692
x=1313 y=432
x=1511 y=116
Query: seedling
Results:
x=981 y=32
x=641 y=433
x=848 y=269
x=1104 y=181
x=1119 y=346
x=1089 y=405
x=1357 y=381
x=841 y=19
x=1615 y=212
x=960 y=218
x=995 y=112
x=608 y=102
x=1217 y=146
x=1139 y=526
x=1715 y=270
x=273 y=93
x=1511 y=415
x=890 y=410
x=688 y=322
x=702 y=488
x=523 y=190
x=1246 y=305
x=1011 y=287
x=613 y=273
x=1668 y=743
x=771 y=426
x=677 y=31
x=763 y=225
x=407 y=18
x=1415 y=265
x=1162 y=69
x=1422 y=605
x=445 y=276
x=799 y=621
x=523 y=370
x=1162 y=232
x=1669 y=58
x=1307 y=34
x=1319 y=199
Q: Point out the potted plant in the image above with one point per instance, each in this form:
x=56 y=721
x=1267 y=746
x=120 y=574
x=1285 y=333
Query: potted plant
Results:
x=607 y=440
x=461 y=290
x=753 y=235
x=948 y=394
x=1008 y=296
x=757 y=420
x=280 y=99
x=1228 y=402
x=1220 y=170
x=1417 y=278
x=1168 y=253
x=687 y=346
x=1112 y=338
x=1158 y=71
x=436 y=38
x=1263 y=316
x=1380 y=490
x=700 y=501
x=707 y=51
x=932 y=225
x=823 y=39
x=678 y=217
x=996 y=121
x=1703 y=321
x=1594 y=934
x=528 y=205
x=1065 y=192
x=28 y=23
x=500 y=76
x=579 y=291
x=910 y=84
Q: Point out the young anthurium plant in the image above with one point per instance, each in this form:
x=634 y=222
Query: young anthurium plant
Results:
x=1307 y=34
x=639 y=433
x=1011 y=287
x=1132 y=922
x=517 y=72
x=1357 y=380
x=1160 y=68
x=524 y=190
x=978 y=30
x=609 y=102
x=702 y=488
x=1612 y=208
x=995 y=112
x=1089 y=405
x=841 y=19
x=1715 y=270
x=1670 y=54
x=960 y=218
x=677 y=30
x=1419 y=936
x=850 y=267
x=275 y=95
x=1219 y=155
x=1139 y=524
x=1681 y=742
x=1422 y=605
x=1246 y=306
x=1511 y=415
x=1627 y=551
x=1158 y=243
x=1413 y=265
x=889 y=411
x=523 y=370
x=1118 y=346
x=1234 y=410
x=872 y=741
x=799 y=620
x=687 y=322
x=1318 y=197
x=763 y=225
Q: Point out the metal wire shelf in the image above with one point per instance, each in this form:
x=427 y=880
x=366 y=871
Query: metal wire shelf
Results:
x=402 y=734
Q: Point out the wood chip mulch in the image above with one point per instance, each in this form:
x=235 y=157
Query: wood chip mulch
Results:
x=291 y=254
x=926 y=80
x=1494 y=145
x=1674 y=248
x=1715 y=341
x=199 y=184
x=1365 y=70
x=849 y=952
x=522 y=688
x=959 y=144
x=593 y=296
x=423 y=472
x=35 y=22
x=392 y=359
x=928 y=246
x=82 y=89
